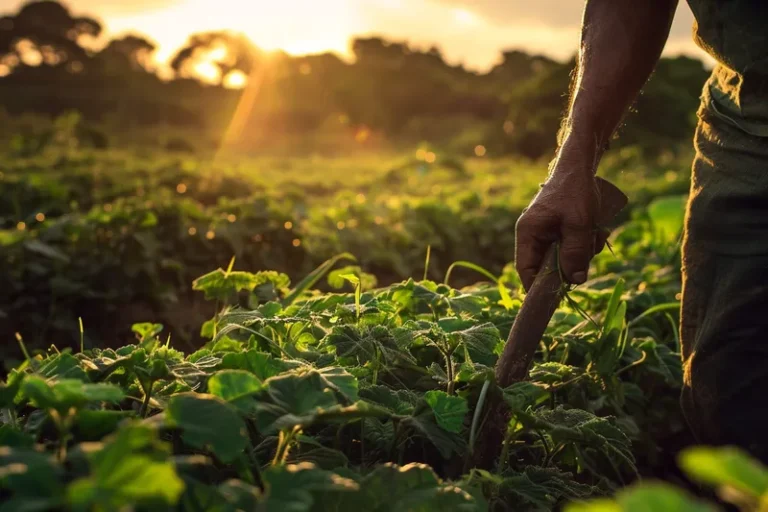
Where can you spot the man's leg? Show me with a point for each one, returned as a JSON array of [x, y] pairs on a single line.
[[724, 325]]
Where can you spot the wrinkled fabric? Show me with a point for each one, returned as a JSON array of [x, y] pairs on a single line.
[[735, 34], [724, 322]]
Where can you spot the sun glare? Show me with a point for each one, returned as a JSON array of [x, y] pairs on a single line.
[[207, 70], [293, 26], [465, 17], [235, 80]]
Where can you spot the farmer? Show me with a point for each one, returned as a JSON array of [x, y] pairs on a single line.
[[724, 317]]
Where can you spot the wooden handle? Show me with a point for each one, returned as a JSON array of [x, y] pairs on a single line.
[[543, 297]]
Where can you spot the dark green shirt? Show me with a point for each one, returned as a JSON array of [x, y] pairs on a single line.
[[735, 33]]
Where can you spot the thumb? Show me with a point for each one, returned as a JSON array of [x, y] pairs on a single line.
[[577, 247]]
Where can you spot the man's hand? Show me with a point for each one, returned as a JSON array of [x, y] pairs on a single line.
[[621, 41], [563, 211]]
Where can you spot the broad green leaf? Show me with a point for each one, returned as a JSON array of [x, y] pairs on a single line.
[[537, 488], [301, 397], [428, 295], [352, 278], [131, 438], [480, 340], [583, 428], [367, 343], [400, 401], [296, 487], [552, 373], [474, 372], [208, 422], [39, 392], [241, 495], [341, 381], [64, 394], [650, 497], [230, 385], [26, 472], [667, 215], [147, 331], [135, 479], [62, 366], [725, 467], [613, 318], [598, 505], [521, 395], [659, 498], [9, 390], [311, 450], [293, 399], [92, 425], [450, 411], [75, 392], [413, 487], [262, 365], [424, 423], [220, 284], [14, 438], [336, 279], [378, 434]]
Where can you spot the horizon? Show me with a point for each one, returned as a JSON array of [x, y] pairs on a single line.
[[471, 33]]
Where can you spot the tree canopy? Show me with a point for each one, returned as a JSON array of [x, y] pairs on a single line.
[[50, 62]]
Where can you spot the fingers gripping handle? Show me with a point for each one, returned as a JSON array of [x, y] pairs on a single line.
[[543, 298]]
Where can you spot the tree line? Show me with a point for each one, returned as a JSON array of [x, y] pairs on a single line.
[[390, 91]]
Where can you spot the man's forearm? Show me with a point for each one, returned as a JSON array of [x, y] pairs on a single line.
[[621, 43]]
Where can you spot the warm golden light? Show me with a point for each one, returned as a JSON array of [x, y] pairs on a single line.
[[235, 80], [465, 17], [466, 30]]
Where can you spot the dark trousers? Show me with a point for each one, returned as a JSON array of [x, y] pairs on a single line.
[[724, 323]]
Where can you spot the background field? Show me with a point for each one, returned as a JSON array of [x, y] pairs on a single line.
[[246, 280]]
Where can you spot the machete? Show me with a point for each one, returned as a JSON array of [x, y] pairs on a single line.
[[543, 297], [539, 304]]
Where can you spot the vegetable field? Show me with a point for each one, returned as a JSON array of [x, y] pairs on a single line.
[[344, 355]]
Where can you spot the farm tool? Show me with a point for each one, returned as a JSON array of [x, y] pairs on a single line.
[[539, 304]]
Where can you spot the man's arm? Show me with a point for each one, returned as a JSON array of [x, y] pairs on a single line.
[[621, 41]]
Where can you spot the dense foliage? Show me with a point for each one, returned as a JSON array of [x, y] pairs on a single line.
[[371, 399], [115, 238], [305, 400]]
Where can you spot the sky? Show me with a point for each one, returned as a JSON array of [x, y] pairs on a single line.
[[471, 32]]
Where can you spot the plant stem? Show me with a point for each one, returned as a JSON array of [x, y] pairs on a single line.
[[147, 396], [62, 427], [376, 366], [23, 348], [395, 438], [285, 439], [505, 450], [82, 334], [478, 413], [632, 364], [449, 371]]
